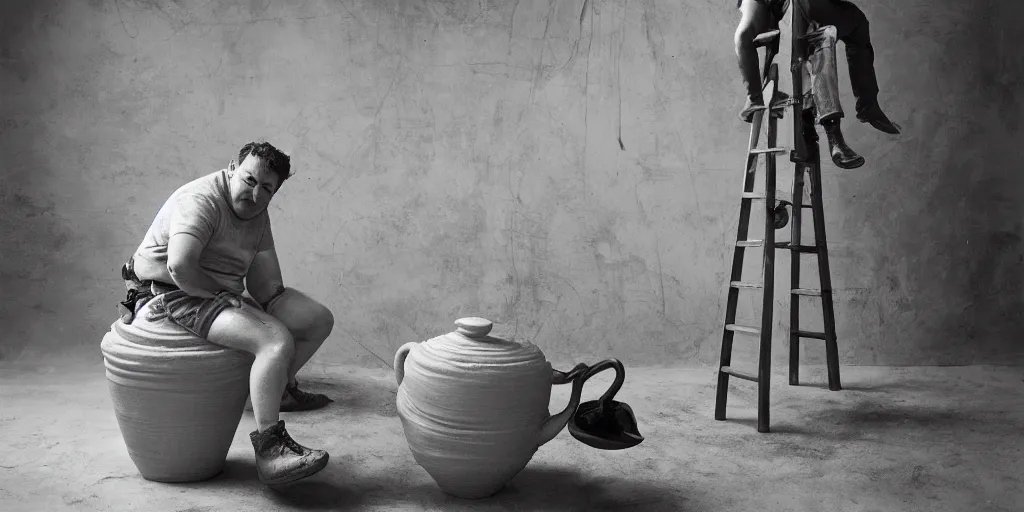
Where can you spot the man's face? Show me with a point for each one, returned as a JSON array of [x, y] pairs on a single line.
[[252, 185]]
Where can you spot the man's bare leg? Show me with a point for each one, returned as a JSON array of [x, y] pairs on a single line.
[[279, 458], [755, 18], [310, 323]]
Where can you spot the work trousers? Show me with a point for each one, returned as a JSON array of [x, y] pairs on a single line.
[[829, 21]]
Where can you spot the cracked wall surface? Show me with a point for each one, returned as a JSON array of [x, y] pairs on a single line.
[[569, 169]]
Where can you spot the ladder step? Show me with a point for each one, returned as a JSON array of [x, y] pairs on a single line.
[[781, 196], [766, 38], [797, 248], [728, 370], [810, 334], [779, 105], [810, 292], [746, 285], [760, 243], [753, 331], [762, 151]]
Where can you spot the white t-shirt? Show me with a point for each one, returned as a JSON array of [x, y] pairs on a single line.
[[202, 208]]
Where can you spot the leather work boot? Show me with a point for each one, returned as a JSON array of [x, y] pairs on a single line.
[[877, 119], [747, 114], [294, 399], [279, 459], [842, 155]]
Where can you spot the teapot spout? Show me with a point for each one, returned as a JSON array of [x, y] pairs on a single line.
[[554, 424]]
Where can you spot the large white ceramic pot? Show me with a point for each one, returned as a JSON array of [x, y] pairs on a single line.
[[178, 398], [475, 407]]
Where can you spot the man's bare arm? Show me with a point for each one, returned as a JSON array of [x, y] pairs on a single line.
[[183, 252], [264, 279]]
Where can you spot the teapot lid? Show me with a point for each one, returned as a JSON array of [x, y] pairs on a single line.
[[470, 342], [473, 326]]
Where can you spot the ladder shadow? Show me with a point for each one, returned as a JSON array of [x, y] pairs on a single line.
[[775, 427], [860, 388]]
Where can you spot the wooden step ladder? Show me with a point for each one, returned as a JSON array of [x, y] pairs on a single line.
[[807, 161]]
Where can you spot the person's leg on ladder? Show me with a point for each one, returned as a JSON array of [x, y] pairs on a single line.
[[854, 30], [279, 458], [821, 41], [755, 18]]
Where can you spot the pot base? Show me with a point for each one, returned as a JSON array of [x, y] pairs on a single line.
[[461, 482]]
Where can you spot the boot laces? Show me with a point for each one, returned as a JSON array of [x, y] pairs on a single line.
[[287, 440]]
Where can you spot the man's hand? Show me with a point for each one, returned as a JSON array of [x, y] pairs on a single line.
[[230, 298]]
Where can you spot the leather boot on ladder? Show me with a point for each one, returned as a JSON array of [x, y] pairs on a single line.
[[842, 155]]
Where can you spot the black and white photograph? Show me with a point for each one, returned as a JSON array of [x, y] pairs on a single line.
[[511, 255]]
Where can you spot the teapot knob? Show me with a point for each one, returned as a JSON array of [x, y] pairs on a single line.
[[473, 326]]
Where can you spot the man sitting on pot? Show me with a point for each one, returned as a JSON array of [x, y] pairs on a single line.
[[210, 242]]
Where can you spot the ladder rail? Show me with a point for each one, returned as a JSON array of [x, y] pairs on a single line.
[[768, 260], [794, 273], [824, 276], [736, 273], [798, 60], [768, 280], [805, 155]]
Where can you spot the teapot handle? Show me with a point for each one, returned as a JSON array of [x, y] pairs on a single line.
[[620, 377], [558, 377], [578, 376], [400, 356], [554, 424]]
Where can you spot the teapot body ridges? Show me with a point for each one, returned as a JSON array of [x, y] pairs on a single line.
[[472, 407], [477, 382]]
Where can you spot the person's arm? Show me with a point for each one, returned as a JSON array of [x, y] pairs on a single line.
[[191, 227], [183, 250], [264, 280]]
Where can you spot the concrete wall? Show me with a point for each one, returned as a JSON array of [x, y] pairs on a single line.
[[568, 168]]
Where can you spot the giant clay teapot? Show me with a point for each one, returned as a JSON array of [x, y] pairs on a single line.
[[475, 407]]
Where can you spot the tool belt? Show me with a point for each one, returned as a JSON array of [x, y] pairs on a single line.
[[139, 291]]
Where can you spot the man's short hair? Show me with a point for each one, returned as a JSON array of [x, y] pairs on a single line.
[[277, 161]]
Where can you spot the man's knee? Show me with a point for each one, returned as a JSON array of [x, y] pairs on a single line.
[[744, 37], [278, 341], [323, 322], [306, 317], [251, 330], [854, 27]]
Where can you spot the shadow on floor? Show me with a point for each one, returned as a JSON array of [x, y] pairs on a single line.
[[775, 427], [889, 387], [859, 419], [356, 396], [870, 417], [562, 490], [535, 488], [860, 388], [323, 491]]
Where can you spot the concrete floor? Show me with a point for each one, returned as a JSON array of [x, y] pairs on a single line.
[[896, 439]]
